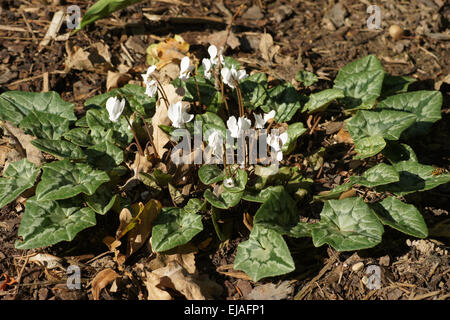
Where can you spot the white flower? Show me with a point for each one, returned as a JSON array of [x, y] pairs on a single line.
[[228, 182], [115, 108], [212, 50], [185, 68], [215, 141], [178, 115], [237, 127], [151, 85], [274, 141], [208, 68], [232, 76], [261, 119]]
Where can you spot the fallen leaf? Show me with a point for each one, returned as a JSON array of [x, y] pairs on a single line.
[[125, 218], [46, 260], [271, 291], [141, 231], [116, 80], [152, 282], [33, 154], [218, 39], [343, 136], [161, 260], [4, 150], [96, 58], [168, 51], [101, 280], [267, 48]]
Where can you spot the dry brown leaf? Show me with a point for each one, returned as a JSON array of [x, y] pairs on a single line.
[[343, 136], [4, 150], [116, 80], [271, 291], [154, 293], [140, 233], [46, 260], [172, 50], [33, 154], [267, 48], [125, 218], [96, 58], [101, 280], [187, 261], [218, 39]]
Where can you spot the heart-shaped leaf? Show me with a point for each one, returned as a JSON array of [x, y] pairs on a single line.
[[45, 125], [61, 149], [279, 213], [254, 90], [368, 128], [377, 176], [48, 222], [194, 205], [209, 95], [63, 179], [285, 100], [401, 216], [239, 181], [16, 105], [258, 195], [320, 100], [104, 155], [347, 224], [18, 177], [294, 131], [211, 121], [80, 136], [395, 84], [102, 200], [264, 254], [174, 227], [426, 105], [210, 174], [361, 81], [414, 177], [226, 199], [99, 123]]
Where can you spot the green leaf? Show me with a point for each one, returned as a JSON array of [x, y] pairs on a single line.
[[48, 222], [369, 129], [347, 224], [63, 179], [279, 213], [102, 200], [104, 156], [426, 105], [361, 82], [294, 131], [376, 176], [396, 152], [264, 254], [284, 100], [104, 8], [401, 216], [99, 123], [226, 199], [306, 77], [194, 205], [45, 125], [211, 121], [334, 193], [174, 227], [18, 177], [369, 146], [395, 84], [254, 90], [320, 100], [230, 62], [240, 181], [209, 95], [210, 174], [258, 195], [16, 105], [80, 136], [61, 149], [414, 177]]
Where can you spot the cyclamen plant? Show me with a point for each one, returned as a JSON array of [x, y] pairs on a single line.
[[89, 168]]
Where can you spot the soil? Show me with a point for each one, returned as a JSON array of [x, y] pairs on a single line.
[[319, 36]]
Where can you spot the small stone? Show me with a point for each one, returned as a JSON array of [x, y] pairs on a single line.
[[357, 266], [337, 15], [408, 242], [384, 261]]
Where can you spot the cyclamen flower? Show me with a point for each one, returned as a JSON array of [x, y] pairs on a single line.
[[232, 76], [261, 119], [178, 115], [215, 141], [185, 68], [115, 108], [274, 142], [151, 85], [208, 68], [213, 57], [238, 127], [228, 182]]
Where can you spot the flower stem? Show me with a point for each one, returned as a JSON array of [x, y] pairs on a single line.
[[141, 151], [147, 129], [198, 91], [241, 105]]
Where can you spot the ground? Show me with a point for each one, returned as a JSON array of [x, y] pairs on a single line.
[[318, 36]]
